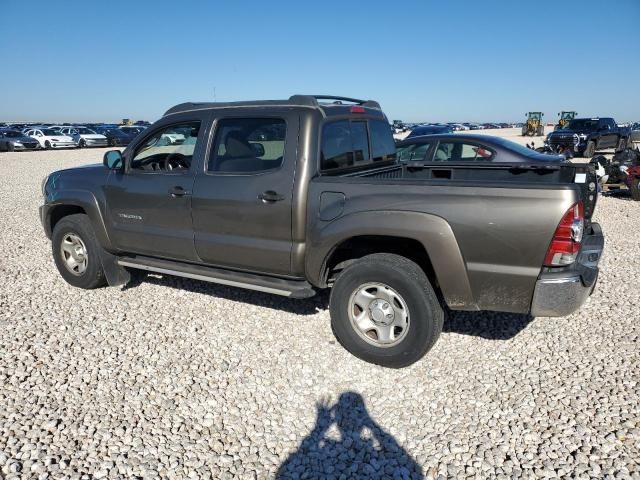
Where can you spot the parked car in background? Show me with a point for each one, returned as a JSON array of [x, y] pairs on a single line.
[[467, 148], [85, 137], [117, 137], [585, 136], [48, 138], [12, 140], [429, 130]]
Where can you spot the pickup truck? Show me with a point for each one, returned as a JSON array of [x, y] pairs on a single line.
[[293, 196], [585, 136]]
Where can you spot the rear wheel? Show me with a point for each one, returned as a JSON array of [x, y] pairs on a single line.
[[384, 310], [590, 149], [76, 252], [622, 145], [82, 143]]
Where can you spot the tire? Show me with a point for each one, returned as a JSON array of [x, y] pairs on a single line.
[[635, 189], [82, 143], [524, 131], [622, 145], [383, 276], [112, 142], [47, 145], [590, 150], [10, 147], [68, 230]]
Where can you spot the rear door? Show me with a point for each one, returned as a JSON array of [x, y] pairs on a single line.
[[242, 197]]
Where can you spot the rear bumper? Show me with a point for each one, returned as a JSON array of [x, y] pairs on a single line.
[[558, 294]]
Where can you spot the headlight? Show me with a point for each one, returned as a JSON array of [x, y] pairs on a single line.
[[43, 186], [17, 143], [582, 136]]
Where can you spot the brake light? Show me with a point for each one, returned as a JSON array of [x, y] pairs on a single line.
[[357, 109], [567, 239]]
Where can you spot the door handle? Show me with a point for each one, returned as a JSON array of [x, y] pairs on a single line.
[[270, 197], [178, 191]]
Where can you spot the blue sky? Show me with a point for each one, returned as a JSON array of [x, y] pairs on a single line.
[[463, 60]]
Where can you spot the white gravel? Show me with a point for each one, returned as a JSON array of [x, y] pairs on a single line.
[[176, 378]]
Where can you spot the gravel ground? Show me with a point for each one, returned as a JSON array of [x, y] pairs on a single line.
[[176, 378]]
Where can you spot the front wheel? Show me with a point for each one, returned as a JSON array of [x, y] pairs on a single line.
[[622, 145], [82, 143], [76, 252], [384, 310], [47, 145]]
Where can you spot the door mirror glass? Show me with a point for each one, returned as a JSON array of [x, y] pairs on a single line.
[[113, 160]]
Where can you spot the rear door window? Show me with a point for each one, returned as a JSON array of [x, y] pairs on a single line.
[[248, 145], [414, 152]]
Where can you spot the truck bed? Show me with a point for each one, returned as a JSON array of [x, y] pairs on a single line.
[[502, 216]]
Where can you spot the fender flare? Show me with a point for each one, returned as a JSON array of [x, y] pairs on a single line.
[[85, 200], [432, 231]]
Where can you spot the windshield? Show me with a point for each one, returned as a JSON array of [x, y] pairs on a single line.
[[85, 131], [583, 124], [49, 132]]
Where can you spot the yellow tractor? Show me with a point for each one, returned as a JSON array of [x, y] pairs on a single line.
[[534, 125], [565, 118]]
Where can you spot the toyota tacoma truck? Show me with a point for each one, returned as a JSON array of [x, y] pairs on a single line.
[[585, 136], [293, 196]]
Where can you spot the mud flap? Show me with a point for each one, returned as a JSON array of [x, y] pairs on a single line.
[[116, 275]]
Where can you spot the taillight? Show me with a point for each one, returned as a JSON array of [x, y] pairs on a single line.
[[357, 109], [566, 241]]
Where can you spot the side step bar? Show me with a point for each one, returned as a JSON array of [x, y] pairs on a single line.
[[260, 283]]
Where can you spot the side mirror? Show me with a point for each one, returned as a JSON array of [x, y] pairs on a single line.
[[258, 149], [113, 160]]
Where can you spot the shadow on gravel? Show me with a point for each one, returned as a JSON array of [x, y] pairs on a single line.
[[309, 306], [363, 449], [489, 325]]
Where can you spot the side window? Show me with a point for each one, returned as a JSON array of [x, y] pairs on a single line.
[[383, 148], [169, 149], [414, 152], [247, 145], [461, 152]]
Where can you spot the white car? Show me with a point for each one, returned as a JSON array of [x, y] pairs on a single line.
[[85, 137], [48, 138]]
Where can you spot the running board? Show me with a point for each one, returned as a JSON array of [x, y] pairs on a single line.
[[260, 283]]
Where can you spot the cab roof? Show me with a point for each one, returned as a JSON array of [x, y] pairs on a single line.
[[329, 104]]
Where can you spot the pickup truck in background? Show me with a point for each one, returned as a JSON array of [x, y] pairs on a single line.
[[585, 136], [292, 196]]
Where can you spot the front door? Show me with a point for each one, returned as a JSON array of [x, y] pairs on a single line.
[[149, 203], [242, 198]]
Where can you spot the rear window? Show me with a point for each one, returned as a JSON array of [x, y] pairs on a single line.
[[350, 144]]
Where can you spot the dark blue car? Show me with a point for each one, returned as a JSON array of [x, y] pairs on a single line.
[[429, 130]]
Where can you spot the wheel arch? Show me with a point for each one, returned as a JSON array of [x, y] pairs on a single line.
[[74, 202], [426, 239]]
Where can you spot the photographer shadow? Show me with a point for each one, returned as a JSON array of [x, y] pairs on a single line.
[[364, 450]]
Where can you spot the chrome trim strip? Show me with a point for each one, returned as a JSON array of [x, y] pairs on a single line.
[[232, 283]]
